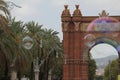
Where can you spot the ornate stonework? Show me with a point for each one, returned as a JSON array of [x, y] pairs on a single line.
[[77, 14], [77, 24], [65, 26], [66, 14], [103, 14]]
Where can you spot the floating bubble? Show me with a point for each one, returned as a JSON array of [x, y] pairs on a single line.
[[89, 37], [27, 42], [90, 44], [89, 40], [104, 24]]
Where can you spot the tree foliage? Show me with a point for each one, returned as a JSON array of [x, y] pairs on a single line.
[[111, 70], [14, 56], [4, 8], [92, 68], [51, 50], [13, 53]]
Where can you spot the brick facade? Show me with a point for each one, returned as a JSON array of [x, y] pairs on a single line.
[[75, 52]]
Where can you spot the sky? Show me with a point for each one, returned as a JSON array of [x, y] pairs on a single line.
[[103, 50], [48, 12]]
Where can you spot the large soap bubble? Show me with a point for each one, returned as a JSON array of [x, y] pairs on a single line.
[[104, 24]]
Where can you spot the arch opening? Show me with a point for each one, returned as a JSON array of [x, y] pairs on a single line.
[[103, 50], [104, 54]]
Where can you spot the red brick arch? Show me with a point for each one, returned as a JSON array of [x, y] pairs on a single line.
[[74, 29]]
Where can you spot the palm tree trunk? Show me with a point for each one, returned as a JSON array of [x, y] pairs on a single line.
[[13, 75], [46, 70], [31, 73], [6, 65], [6, 70], [13, 72], [49, 75], [37, 74], [36, 69]]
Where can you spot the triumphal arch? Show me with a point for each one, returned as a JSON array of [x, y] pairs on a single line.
[[80, 34]]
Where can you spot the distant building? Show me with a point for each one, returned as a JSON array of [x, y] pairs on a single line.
[[100, 72]]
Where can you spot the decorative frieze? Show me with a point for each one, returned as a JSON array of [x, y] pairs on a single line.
[[103, 14], [75, 61], [77, 26]]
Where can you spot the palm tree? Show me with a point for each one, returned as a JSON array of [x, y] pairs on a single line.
[[4, 8], [20, 58], [34, 31], [50, 47], [4, 15], [13, 54], [11, 48]]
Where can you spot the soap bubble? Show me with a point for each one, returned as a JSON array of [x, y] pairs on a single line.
[[89, 40]]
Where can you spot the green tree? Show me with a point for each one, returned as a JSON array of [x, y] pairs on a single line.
[[5, 13], [3, 28], [111, 70], [4, 8], [92, 68], [4, 16], [51, 50], [14, 56]]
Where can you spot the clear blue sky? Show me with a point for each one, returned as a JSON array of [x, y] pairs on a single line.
[[48, 12]]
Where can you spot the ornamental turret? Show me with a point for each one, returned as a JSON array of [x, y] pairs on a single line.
[[66, 14], [77, 14]]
